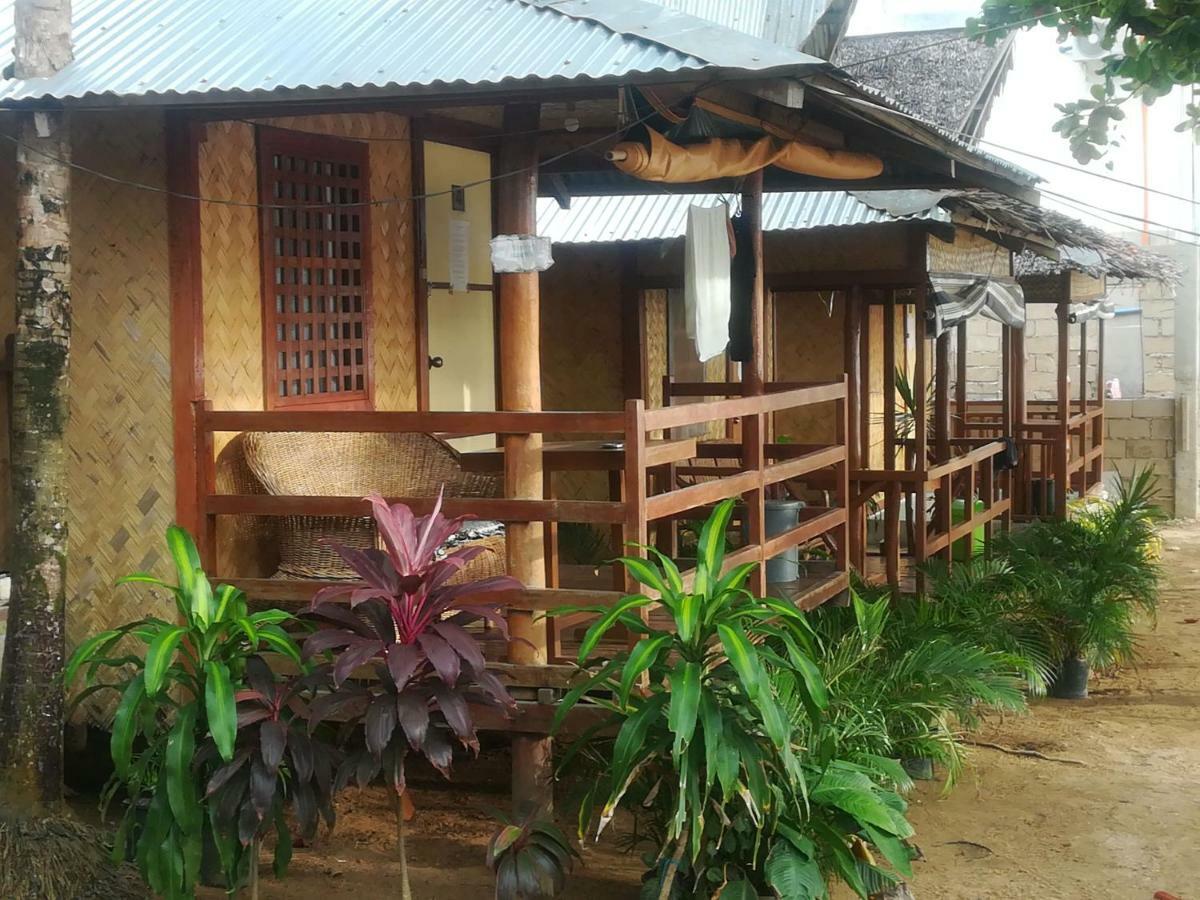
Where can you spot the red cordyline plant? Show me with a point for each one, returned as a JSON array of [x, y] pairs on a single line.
[[405, 620]]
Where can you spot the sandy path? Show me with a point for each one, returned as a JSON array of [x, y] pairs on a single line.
[[1125, 825]]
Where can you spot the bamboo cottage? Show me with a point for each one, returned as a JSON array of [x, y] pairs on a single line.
[[278, 222]]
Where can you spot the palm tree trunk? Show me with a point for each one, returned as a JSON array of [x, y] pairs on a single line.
[[31, 691]]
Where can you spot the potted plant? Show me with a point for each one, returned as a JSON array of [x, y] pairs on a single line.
[[177, 682], [404, 621], [1091, 576]]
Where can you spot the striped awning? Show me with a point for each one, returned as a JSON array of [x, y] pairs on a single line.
[[957, 297]]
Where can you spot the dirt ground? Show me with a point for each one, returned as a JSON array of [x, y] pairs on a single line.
[[1122, 825]]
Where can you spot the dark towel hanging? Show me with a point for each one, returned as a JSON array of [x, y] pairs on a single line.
[[1008, 458], [741, 286]]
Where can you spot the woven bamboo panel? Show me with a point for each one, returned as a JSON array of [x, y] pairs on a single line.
[[229, 246], [971, 253], [122, 478], [809, 347], [230, 240], [656, 346]]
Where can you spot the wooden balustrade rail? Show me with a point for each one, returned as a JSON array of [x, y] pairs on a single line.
[[757, 468]]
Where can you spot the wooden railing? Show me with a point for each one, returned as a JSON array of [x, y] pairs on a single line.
[[969, 477], [647, 497], [1054, 455]]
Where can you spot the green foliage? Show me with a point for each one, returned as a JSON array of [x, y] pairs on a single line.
[[1149, 49], [905, 682], [1091, 576], [530, 857], [177, 682], [709, 744]]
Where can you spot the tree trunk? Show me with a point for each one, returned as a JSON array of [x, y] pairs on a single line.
[[31, 690]]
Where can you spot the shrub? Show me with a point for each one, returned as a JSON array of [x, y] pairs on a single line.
[[405, 620], [178, 685], [1091, 576], [708, 752], [530, 857]]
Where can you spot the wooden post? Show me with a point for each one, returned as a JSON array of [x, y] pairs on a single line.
[[1006, 419], [521, 390], [31, 689], [891, 498], [1063, 444], [854, 459], [920, 428], [941, 429], [1098, 422], [753, 379], [1085, 426], [960, 380], [864, 405], [187, 310], [1020, 411]]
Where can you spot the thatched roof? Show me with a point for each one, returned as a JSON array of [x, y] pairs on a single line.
[[951, 83], [1081, 248]]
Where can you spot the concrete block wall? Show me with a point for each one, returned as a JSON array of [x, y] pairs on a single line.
[[1141, 433]]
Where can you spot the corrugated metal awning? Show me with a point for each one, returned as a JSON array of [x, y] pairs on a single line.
[[664, 216]]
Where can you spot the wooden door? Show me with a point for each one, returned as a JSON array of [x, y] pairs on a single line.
[[459, 318]]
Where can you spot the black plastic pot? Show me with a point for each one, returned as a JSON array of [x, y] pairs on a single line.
[[919, 768], [1070, 680]]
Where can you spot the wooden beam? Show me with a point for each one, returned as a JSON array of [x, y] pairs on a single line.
[[183, 137], [960, 380]]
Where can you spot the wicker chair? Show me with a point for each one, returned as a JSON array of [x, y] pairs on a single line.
[[353, 465]]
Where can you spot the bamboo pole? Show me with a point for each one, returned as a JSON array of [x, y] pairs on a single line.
[[520, 383], [891, 500]]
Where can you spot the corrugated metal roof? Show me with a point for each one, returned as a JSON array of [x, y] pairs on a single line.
[[664, 216], [164, 48], [785, 22]]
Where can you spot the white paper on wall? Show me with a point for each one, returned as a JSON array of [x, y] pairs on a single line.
[[521, 253], [460, 254]]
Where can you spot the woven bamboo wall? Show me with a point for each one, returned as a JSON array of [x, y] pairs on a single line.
[[230, 246], [8, 318], [122, 476], [582, 344]]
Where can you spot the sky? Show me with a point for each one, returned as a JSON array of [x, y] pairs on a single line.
[[878, 16]]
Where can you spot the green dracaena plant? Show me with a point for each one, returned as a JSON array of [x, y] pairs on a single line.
[[177, 682], [698, 724]]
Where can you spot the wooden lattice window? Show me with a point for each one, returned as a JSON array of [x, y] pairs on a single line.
[[315, 271]]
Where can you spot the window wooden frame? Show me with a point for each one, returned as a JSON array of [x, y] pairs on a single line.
[[310, 298]]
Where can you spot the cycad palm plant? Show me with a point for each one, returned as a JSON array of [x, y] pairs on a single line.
[[1091, 576], [903, 685]]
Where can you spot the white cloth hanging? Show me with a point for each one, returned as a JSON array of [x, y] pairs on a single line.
[[706, 279]]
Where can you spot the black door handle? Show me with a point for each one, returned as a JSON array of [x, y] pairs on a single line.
[[436, 362]]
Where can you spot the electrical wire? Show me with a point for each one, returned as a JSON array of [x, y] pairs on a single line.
[[223, 201], [382, 201], [1104, 213]]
